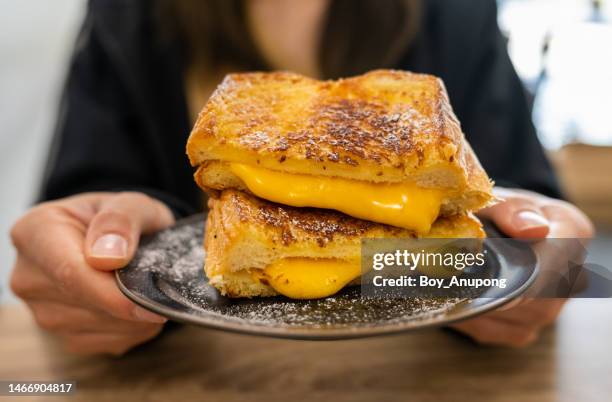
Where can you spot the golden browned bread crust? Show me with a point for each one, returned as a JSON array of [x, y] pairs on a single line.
[[245, 233], [383, 126]]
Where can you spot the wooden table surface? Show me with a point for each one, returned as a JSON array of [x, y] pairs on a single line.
[[571, 362]]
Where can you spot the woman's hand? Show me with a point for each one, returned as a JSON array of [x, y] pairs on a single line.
[[66, 252], [525, 215]]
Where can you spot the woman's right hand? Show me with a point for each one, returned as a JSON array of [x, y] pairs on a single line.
[[66, 252]]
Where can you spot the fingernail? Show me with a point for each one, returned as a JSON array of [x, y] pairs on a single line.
[[528, 220], [146, 315], [110, 246]]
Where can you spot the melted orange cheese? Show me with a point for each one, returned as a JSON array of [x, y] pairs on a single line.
[[403, 205], [307, 278]]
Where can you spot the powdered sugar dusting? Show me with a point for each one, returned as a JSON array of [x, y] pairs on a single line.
[[176, 254], [344, 310]]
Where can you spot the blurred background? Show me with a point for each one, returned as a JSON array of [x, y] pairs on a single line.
[[561, 50]]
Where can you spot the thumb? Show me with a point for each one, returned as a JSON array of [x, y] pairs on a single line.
[[518, 218], [113, 233]]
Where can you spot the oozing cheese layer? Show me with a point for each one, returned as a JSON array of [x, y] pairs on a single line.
[[306, 278], [403, 205]]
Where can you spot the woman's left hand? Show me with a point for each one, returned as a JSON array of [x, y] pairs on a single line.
[[524, 215]]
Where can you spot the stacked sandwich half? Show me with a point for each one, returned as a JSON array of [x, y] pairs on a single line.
[[298, 171]]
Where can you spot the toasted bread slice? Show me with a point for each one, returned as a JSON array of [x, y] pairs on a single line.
[[245, 234], [384, 127]]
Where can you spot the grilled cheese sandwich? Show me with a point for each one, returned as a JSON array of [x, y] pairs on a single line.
[[258, 248], [389, 138], [300, 170]]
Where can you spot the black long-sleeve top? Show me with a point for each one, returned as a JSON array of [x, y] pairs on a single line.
[[124, 120]]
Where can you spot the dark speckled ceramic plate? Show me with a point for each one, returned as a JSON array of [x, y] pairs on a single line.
[[166, 276]]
